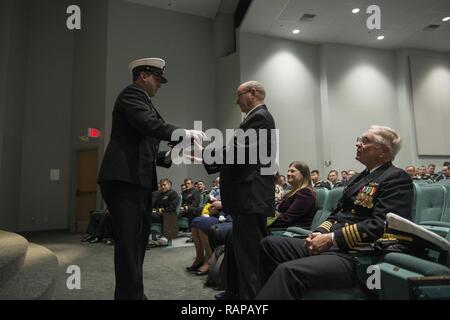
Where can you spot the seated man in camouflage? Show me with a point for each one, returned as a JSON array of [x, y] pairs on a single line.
[[288, 267]]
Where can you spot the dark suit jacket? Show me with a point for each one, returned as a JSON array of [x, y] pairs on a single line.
[[137, 129], [242, 187], [354, 222]]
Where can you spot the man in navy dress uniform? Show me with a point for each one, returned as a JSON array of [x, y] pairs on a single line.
[[289, 267], [128, 172]]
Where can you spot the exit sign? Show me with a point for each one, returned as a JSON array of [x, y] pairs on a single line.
[[93, 133]]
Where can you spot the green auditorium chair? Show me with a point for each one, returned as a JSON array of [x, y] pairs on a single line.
[[423, 181], [406, 277], [402, 276], [430, 207], [330, 201]]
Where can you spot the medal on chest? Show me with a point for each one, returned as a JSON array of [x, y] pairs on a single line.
[[365, 195]]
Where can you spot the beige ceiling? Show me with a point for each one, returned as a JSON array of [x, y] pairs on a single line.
[[402, 22], [203, 8]]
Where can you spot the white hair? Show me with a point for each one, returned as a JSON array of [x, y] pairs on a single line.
[[387, 137]]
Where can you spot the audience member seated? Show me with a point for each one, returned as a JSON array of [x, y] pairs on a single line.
[[191, 201], [201, 188], [299, 205], [351, 174], [422, 174], [445, 173], [200, 230], [316, 183], [411, 171], [166, 203], [288, 267], [214, 194], [344, 175], [333, 179], [285, 185], [279, 191], [431, 171], [99, 228]]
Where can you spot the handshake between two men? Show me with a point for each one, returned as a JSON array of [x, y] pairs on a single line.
[[189, 149]]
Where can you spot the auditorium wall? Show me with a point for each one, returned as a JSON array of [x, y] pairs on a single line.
[[13, 50], [186, 43], [290, 72], [48, 81], [54, 83], [324, 96]]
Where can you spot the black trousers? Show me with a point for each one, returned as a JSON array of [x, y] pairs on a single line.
[[241, 254], [286, 270], [130, 208]]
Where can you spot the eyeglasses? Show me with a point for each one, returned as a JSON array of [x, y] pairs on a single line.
[[363, 140], [240, 94]]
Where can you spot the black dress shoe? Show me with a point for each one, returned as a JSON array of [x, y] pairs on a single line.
[[87, 238], [226, 295], [94, 240], [201, 273], [194, 267]]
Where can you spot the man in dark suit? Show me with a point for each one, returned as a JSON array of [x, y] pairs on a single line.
[[128, 171], [289, 266], [247, 191]]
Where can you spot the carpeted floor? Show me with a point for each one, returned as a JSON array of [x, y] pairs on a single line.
[[164, 269]]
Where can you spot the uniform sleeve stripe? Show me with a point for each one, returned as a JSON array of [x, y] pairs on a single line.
[[351, 236], [344, 232], [355, 229], [326, 225]]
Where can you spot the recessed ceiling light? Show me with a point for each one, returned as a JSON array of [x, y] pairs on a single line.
[[380, 37], [356, 10], [296, 31], [446, 19]]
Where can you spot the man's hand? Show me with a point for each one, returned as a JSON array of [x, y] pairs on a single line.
[[217, 205], [317, 243], [197, 135]]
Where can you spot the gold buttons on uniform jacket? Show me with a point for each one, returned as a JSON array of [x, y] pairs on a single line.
[[353, 211]]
